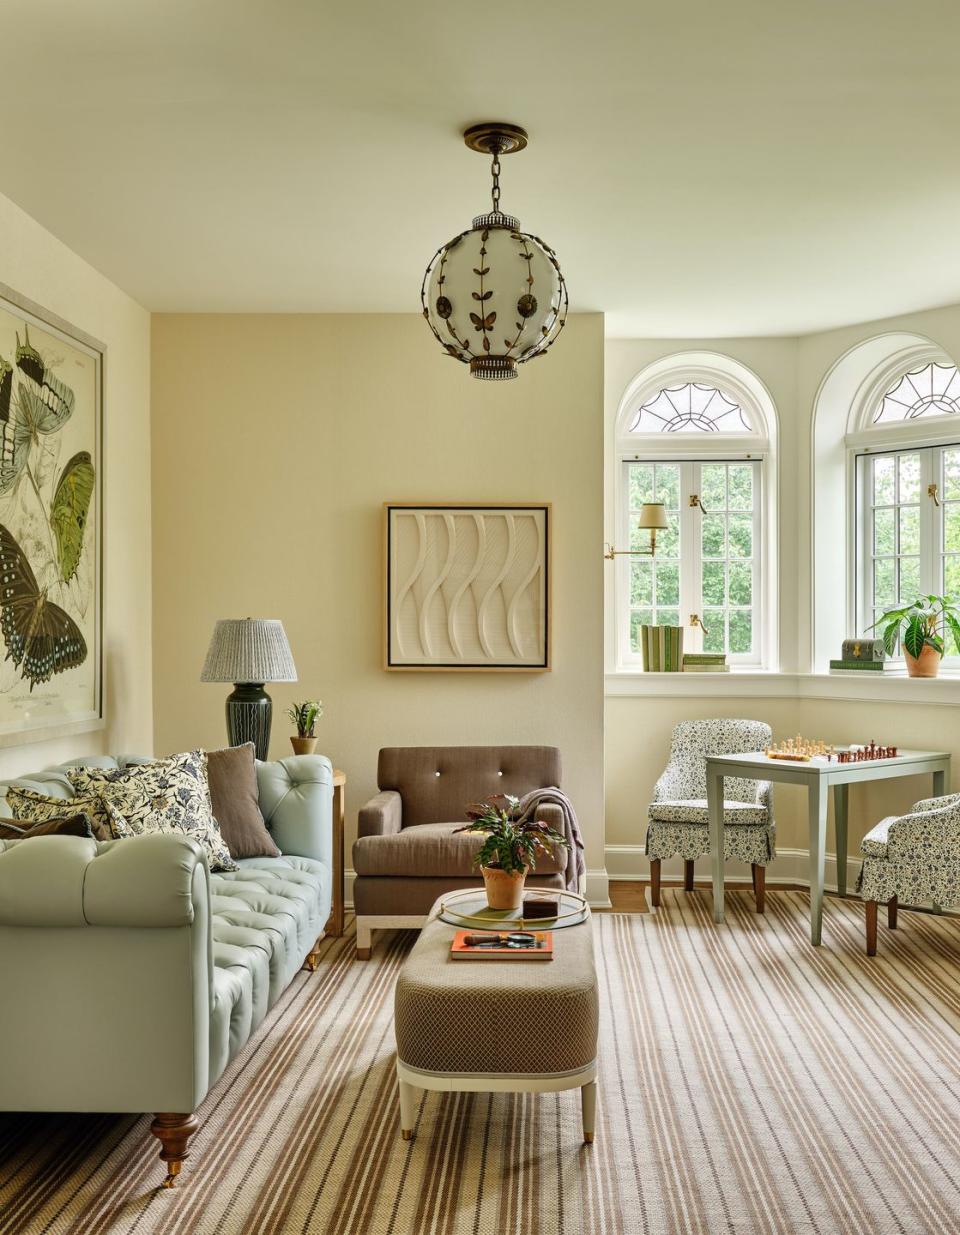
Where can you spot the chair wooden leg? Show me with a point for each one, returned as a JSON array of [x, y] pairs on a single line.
[[759, 885], [892, 913], [871, 908], [688, 874], [655, 882], [173, 1132]]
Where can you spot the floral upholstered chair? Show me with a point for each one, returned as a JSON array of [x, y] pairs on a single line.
[[913, 857], [678, 823]]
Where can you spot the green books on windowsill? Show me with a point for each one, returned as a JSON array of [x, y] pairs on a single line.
[[865, 666], [705, 662]]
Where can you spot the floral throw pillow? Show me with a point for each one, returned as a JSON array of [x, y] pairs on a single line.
[[170, 795], [28, 804]]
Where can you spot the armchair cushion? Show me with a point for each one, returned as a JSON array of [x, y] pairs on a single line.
[[431, 850], [679, 810], [437, 783]]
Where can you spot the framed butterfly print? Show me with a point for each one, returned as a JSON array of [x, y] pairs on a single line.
[[51, 485]]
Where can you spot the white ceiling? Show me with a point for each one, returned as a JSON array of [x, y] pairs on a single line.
[[701, 168]]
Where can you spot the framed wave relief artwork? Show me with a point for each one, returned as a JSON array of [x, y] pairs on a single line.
[[51, 377], [467, 587]]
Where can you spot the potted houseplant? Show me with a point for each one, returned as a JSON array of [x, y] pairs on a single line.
[[920, 627], [305, 716], [510, 849]]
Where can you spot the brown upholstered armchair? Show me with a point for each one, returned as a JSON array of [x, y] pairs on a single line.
[[407, 853]]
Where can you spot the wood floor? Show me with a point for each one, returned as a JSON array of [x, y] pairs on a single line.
[[632, 896]]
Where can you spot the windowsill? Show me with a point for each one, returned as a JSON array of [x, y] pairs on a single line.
[[769, 684]]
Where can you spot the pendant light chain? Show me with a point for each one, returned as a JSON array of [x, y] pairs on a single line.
[[495, 173]]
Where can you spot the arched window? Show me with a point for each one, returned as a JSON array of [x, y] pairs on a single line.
[[696, 433], [904, 448]]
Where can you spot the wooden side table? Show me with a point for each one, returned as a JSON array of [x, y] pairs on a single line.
[[335, 922]]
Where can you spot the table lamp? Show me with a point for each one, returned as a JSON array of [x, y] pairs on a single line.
[[249, 652]]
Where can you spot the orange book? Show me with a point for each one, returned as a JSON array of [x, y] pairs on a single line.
[[502, 946]]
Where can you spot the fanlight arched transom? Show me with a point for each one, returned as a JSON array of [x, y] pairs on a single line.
[[693, 407], [932, 390]]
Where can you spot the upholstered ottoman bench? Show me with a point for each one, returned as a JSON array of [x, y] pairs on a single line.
[[485, 1025]]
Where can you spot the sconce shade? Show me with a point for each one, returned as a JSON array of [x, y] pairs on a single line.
[[249, 650], [652, 515]]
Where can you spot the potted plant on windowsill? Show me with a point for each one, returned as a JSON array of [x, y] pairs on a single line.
[[305, 716], [920, 627], [510, 849]]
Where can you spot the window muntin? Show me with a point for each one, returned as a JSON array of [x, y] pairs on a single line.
[[708, 562], [931, 390], [693, 407]]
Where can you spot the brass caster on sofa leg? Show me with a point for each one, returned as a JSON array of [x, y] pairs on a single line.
[[173, 1132], [407, 1134], [312, 959]]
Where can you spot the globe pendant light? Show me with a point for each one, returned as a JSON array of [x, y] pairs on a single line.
[[494, 296]]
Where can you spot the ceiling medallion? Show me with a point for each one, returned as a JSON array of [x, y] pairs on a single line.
[[494, 296]]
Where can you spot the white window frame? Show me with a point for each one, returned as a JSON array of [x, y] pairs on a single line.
[[759, 446], [691, 596], [929, 435]]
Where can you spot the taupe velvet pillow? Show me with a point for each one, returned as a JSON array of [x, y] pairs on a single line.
[[68, 825], [232, 776]]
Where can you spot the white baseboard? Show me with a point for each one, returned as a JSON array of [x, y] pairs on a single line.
[[789, 866], [597, 887]]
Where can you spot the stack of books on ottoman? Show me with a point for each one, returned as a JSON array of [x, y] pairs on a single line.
[[705, 662]]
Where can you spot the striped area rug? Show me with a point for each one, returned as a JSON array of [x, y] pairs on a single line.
[[749, 1083]]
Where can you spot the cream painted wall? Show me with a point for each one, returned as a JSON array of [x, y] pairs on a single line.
[[637, 730], [40, 267], [275, 441]]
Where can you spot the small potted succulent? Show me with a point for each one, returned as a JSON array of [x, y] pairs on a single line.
[[920, 627], [305, 716], [510, 849]]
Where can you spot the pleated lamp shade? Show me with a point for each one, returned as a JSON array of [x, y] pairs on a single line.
[[249, 650]]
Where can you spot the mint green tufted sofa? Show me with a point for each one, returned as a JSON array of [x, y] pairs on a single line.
[[130, 976]]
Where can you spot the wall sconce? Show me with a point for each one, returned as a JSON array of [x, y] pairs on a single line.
[[652, 517]]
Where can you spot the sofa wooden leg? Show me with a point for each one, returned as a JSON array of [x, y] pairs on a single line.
[[688, 874], [173, 1132], [871, 908], [760, 885], [312, 959], [655, 882], [364, 941], [892, 913]]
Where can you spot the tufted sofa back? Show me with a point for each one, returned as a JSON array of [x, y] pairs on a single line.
[[437, 783], [295, 794]]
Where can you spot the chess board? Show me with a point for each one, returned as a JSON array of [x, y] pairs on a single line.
[[802, 750]]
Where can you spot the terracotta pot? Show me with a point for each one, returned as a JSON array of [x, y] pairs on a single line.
[[504, 888], [304, 746], [926, 665]]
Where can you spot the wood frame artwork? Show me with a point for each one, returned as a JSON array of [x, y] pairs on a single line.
[[51, 506], [467, 586]]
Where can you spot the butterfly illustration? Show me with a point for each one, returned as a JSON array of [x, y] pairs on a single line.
[[42, 404], [41, 638], [69, 510]]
